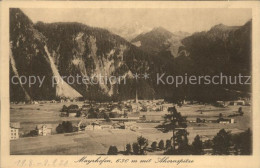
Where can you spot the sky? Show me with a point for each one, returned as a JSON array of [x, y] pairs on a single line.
[[187, 20]]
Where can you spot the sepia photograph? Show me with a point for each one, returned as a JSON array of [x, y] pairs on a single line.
[[129, 84], [130, 81]]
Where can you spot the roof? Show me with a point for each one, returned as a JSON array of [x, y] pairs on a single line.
[[73, 111], [15, 125], [118, 125], [41, 125], [222, 119]]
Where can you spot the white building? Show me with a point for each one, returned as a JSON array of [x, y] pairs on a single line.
[[118, 111], [93, 127], [14, 130], [227, 121], [44, 129], [237, 103]]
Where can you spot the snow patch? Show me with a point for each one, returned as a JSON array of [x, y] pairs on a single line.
[[137, 44], [62, 88]]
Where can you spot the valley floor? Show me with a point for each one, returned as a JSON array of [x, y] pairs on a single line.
[[98, 141]]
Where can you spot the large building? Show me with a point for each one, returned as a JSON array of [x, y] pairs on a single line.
[[14, 130], [44, 129]]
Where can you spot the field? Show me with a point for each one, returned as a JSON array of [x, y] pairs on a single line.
[[98, 141]]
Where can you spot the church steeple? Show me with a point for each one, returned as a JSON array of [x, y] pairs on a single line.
[[136, 101], [136, 96]]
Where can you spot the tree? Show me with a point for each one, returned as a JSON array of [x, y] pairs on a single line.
[[161, 144], [32, 133], [240, 111], [168, 144], [182, 142], [243, 143], [179, 103], [64, 127], [208, 144], [197, 146], [59, 129], [64, 108], [220, 116], [182, 146], [135, 148], [106, 117], [198, 120], [112, 150], [73, 106], [172, 121], [78, 113], [113, 115], [125, 114], [154, 145], [67, 125], [92, 113], [246, 143], [143, 143], [101, 114], [222, 143], [128, 149]]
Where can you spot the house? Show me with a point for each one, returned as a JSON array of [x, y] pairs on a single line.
[[130, 125], [73, 111], [63, 114], [68, 100], [226, 121], [85, 107], [134, 128], [34, 102], [81, 125], [53, 101], [135, 107], [107, 127], [117, 110], [93, 127], [102, 108], [220, 104], [119, 126], [44, 129], [237, 103], [72, 114], [14, 130], [241, 102], [61, 101], [247, 103]]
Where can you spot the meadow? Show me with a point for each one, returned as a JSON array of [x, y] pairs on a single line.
[[98, 141]]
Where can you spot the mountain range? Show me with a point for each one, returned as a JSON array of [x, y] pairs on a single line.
[[70, 49], [129, 31], [160, 41]]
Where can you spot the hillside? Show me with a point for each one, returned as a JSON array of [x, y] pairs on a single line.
[[69, 49]]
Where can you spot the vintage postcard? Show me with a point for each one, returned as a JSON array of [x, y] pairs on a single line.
[[130, 84]]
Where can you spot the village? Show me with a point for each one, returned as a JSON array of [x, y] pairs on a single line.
[[136, 116]]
